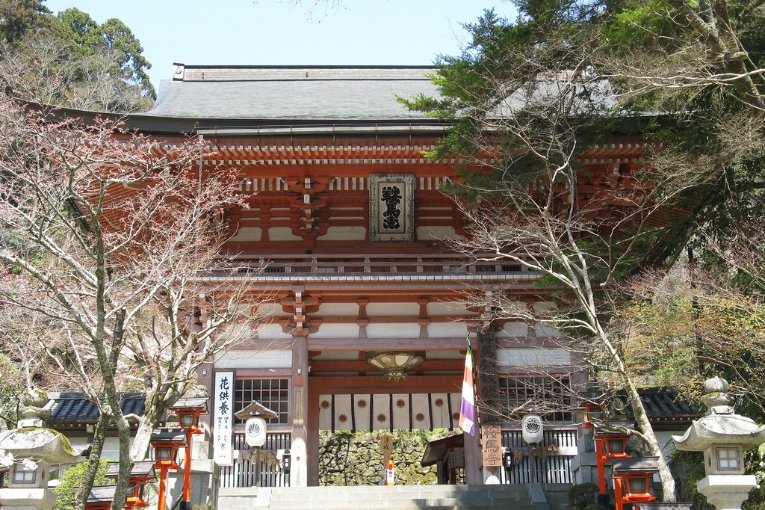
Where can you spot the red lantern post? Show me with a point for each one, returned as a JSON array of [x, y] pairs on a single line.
[[189, 410], [633, 481], [608, 445], [100, 498], [166, 443], [140, 475]]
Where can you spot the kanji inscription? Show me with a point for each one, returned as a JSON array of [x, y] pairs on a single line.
[[491, 441]]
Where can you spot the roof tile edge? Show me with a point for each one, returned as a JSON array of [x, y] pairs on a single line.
[[213, 73]]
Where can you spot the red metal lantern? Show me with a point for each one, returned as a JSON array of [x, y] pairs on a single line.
[[166, 443], [189, 410], [589, 408], [633, 481], [142, 473], [100, 497], [608, 445]]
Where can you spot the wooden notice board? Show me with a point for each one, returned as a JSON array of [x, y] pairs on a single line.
[[491, 445]]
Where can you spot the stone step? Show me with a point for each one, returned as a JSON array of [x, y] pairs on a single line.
[[399, 497]]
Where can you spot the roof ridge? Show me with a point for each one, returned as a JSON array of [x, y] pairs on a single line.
[[306, 66]]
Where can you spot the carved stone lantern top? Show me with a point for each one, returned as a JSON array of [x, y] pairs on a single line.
[[40, 444], [721, 425]]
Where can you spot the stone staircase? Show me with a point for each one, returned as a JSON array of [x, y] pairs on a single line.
[[399, 497]]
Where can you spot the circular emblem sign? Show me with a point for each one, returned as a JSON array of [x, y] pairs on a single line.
[[532, 429]]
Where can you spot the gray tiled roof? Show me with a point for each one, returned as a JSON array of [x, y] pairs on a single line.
[[72, 407], [664, 403], [141, 468], [101, 493], [293, 93]]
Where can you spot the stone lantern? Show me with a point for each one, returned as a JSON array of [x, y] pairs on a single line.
[[723, 436], [33, 449]]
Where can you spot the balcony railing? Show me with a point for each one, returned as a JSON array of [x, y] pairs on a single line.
[[257, 467], [362, 267]]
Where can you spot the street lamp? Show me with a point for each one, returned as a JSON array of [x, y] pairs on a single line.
[[632, 481], [166, 443], [608, 445], [188, 411], [140, 475], [100, 497]]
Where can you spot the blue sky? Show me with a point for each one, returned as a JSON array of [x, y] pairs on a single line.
[[274, 32]]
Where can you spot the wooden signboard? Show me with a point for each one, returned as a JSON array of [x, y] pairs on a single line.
[[491, 441]]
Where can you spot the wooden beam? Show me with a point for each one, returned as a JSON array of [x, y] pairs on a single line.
[[385, 344], [380, 384], [431, 365]]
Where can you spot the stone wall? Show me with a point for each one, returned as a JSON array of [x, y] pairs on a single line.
[[348, 458]]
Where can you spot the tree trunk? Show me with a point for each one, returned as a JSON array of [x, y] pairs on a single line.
[[81, 496], [126, 464], [142, 438], [641, 417], [644, 426]]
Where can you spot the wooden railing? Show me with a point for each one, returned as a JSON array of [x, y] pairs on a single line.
[[360, 265], [257, 467], [546, 463]]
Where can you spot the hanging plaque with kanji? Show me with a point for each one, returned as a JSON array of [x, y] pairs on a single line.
[[391, 206], [491, 445]]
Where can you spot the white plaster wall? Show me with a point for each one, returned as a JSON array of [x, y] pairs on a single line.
[[271, 310], [255, 359], [282, 234], [547, 330], [533, 357], [336, 355], [344, 234], [543, 306], [272, 332], [111, 448], [436, 233], [446, 308], [447, 329], [337, 309], [516, 329], [665, 440], [336, 331], [248, 234], [383, 309], [393, 330]]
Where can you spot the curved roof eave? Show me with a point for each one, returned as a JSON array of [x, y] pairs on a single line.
[[186, 126]]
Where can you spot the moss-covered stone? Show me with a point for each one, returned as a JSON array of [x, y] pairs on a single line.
[[347, 458]]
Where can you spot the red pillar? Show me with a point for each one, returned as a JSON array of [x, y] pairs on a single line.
[[162, 488], [186, 501]]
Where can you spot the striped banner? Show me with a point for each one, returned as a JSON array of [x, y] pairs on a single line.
[[467, 405]]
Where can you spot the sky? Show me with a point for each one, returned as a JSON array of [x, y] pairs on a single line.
[[291, 32]]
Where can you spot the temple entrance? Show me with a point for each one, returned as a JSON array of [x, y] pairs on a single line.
[[352, 413], [359, 458], [356, 429]]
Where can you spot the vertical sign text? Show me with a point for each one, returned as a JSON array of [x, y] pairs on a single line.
[[223, 416]]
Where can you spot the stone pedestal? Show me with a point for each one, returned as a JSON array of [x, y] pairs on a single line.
[[726, 492], [27, 499]]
